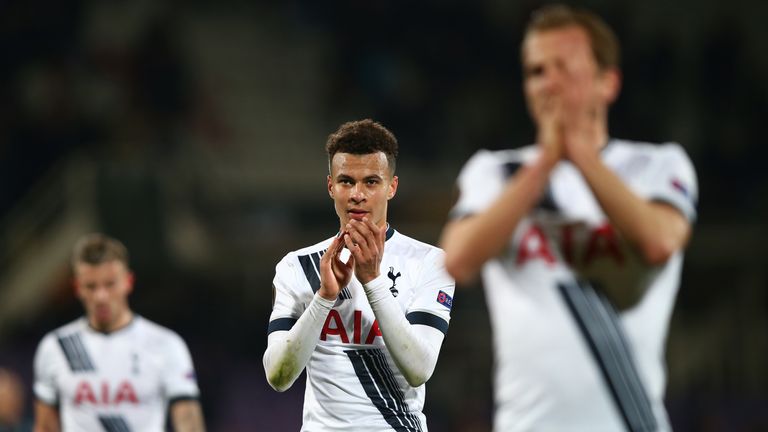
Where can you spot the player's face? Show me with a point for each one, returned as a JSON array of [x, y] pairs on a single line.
[[103, 289], [361, 186], [560, 67]]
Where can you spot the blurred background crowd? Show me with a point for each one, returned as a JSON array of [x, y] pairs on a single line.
[[194, 132]]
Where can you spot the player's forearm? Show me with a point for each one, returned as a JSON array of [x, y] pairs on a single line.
[[655, 230], [468, 243], [415, 352], [187, 416], [288, 352], [46, 418]]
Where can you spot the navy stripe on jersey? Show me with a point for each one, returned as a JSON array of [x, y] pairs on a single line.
[[547, 201], [428, 319], [311, 266], [75, 352], [177, 399], [281, 324], [390, 233], [381, 387], [602, 329], [510, 168], [114, 424], [313, 277]]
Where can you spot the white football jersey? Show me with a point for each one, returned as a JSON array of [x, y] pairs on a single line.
[[352, 381], [117, 382], [565, 359]]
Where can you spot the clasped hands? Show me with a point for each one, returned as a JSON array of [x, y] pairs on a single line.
[[570, 128], [365, 242]]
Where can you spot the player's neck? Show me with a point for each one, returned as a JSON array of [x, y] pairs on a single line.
[[122, 320], [601, 136]]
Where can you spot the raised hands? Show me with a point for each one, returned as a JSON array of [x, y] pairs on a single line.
[[570, 126], [365, 241], [334, 273]]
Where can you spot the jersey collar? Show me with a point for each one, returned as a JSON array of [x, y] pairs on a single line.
[[390, 232], [127, 326]]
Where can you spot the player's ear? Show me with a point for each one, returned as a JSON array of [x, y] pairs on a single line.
[[330, 186], [75, 287], [611, 84], [131, 280], [392, 188]]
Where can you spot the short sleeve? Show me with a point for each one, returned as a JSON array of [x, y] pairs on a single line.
[[479, 183], [179, 378], [286, 307], [433, 299], [673, 181], [44, 386]]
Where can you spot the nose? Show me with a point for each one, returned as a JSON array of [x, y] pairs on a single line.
[[550, 80], [100, 294], [358, 194]]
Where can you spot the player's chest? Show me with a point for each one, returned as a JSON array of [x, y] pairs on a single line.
[[352, 320], [106, 374]]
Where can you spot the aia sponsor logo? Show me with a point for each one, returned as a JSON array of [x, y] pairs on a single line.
[[600, 242], [104, 394], [334, 326]]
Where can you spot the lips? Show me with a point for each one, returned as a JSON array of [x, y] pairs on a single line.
[[357, 214]]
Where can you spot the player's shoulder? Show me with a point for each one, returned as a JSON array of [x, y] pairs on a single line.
[[496, 164], [485, 157], [153, 332], [68, 330], [664, 150], [308, 250], [409, 246], [73, 327]]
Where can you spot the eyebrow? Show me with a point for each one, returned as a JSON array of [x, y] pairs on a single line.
[[348, 177]]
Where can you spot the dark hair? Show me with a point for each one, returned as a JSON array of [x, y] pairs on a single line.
[[97, 249], [363, 137], [605, 45]]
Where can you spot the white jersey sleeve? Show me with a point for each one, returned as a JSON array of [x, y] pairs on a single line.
[[673, 180], [178, 377], [414, 340], [434, 298], [287, 304], [476, 189], [45, 386]]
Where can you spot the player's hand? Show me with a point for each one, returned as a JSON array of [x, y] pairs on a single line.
[[366, 242], [551, 130], [580, 122], [334, 273]]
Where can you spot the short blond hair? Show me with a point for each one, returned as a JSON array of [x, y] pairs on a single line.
[[97, 248]]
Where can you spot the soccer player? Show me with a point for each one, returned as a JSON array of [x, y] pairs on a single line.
[[579, 239], [365, 311], [112, 370]]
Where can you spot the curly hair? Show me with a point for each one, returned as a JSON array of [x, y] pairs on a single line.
[[363, 137], [98, 248]]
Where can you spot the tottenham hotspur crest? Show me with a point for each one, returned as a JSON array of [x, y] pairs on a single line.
[[394, 277]]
